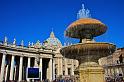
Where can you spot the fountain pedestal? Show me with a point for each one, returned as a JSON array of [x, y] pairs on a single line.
[[91, 72]]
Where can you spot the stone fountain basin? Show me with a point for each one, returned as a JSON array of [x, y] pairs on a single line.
[[88, 51], [84, 26]]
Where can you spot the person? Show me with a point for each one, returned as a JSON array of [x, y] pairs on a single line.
[[108, 79], [61, 80]]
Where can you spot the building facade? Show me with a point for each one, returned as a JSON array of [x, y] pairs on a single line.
[[15, 59], [114, 64]]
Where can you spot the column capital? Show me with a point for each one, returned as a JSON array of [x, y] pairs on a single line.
[[41, 57], [4, 53]]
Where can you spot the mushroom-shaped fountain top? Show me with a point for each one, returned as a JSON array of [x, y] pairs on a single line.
[[85, 28]]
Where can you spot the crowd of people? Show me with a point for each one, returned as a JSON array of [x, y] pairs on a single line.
[[65, 80], [47, 80], [108, 78], [117, 78], [56, 80]]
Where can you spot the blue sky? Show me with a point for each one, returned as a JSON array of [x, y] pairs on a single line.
[[32, 20]]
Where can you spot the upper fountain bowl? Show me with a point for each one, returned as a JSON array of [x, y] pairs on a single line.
[[85, 28]]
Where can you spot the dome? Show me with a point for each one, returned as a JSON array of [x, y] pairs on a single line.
[[84, 27], [52, 42]]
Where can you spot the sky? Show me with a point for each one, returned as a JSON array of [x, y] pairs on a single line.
[[32, 20]]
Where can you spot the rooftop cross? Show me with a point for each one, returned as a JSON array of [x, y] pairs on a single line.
[[83, 13]]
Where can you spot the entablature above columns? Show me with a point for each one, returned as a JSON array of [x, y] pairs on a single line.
[[46, 55], [26, 54]]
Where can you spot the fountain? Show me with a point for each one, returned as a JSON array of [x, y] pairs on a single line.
[[87, 51]]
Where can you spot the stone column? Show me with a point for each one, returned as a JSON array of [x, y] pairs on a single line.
[[53, 69], [106, 71], [2, 67], [35, 62], [29, 61], [6, 72], [15, 72], [120, 70], [109, 71], [117, 69], [50, 69], [60, 66], [20, 68], [123, 70], [72, 67], [29, 64], [77, 63], [40, 69], [47, 73], [12, 67], [66, 70], [112, 71]]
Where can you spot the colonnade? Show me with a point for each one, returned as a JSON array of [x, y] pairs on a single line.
[[5, 74], [113, 71], [60, 67]]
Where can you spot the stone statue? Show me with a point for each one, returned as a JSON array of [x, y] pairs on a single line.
[[22, 43], [83, 13], [5, 40], [32, 44], [14, 42], [29, 44]]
